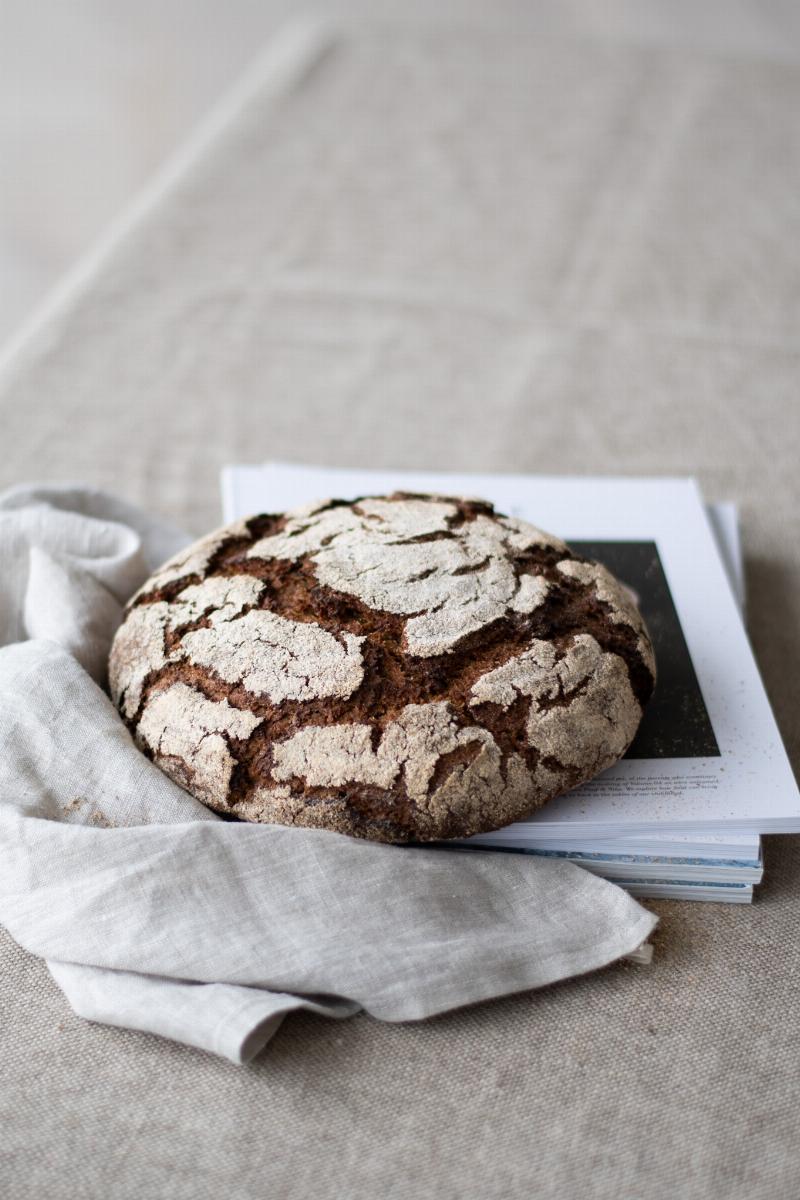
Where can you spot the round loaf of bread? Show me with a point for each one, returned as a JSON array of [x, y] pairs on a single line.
[[401, 668]]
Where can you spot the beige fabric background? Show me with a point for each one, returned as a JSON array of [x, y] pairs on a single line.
[[474, 249]]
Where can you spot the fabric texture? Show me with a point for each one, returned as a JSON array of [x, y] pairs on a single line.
[[157, 914], [468, 249]]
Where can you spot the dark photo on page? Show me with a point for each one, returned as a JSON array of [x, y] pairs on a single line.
[[676, 723]]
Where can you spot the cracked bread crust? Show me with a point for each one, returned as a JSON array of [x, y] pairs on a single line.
[[400, 668]]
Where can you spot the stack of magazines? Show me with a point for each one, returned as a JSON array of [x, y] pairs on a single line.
[[682, 814]]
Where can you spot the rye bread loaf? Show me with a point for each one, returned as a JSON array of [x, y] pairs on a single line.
[[399, 668]]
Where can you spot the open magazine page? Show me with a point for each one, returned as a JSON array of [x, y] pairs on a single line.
[[708, 753]]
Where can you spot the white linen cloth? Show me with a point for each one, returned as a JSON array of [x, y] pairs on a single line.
[[155, 914]]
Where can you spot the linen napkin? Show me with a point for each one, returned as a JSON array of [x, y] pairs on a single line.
[[155, 914]]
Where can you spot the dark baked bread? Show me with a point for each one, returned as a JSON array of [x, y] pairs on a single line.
[[399, 668]]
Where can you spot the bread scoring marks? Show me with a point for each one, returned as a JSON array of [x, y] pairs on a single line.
[[277, 805], [188, 738], [221, 596], [275, 657], [486, 791], [414, 557], [621, 606], [532, 592], [521, 535], [194, 560], [583, 712], [139, 649], [478, 787], [335, 755]]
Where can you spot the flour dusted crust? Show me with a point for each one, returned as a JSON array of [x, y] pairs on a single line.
[[399, 668]]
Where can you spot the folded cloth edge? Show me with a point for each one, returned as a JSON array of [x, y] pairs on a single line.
[[99, 867], [230, 1020]]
